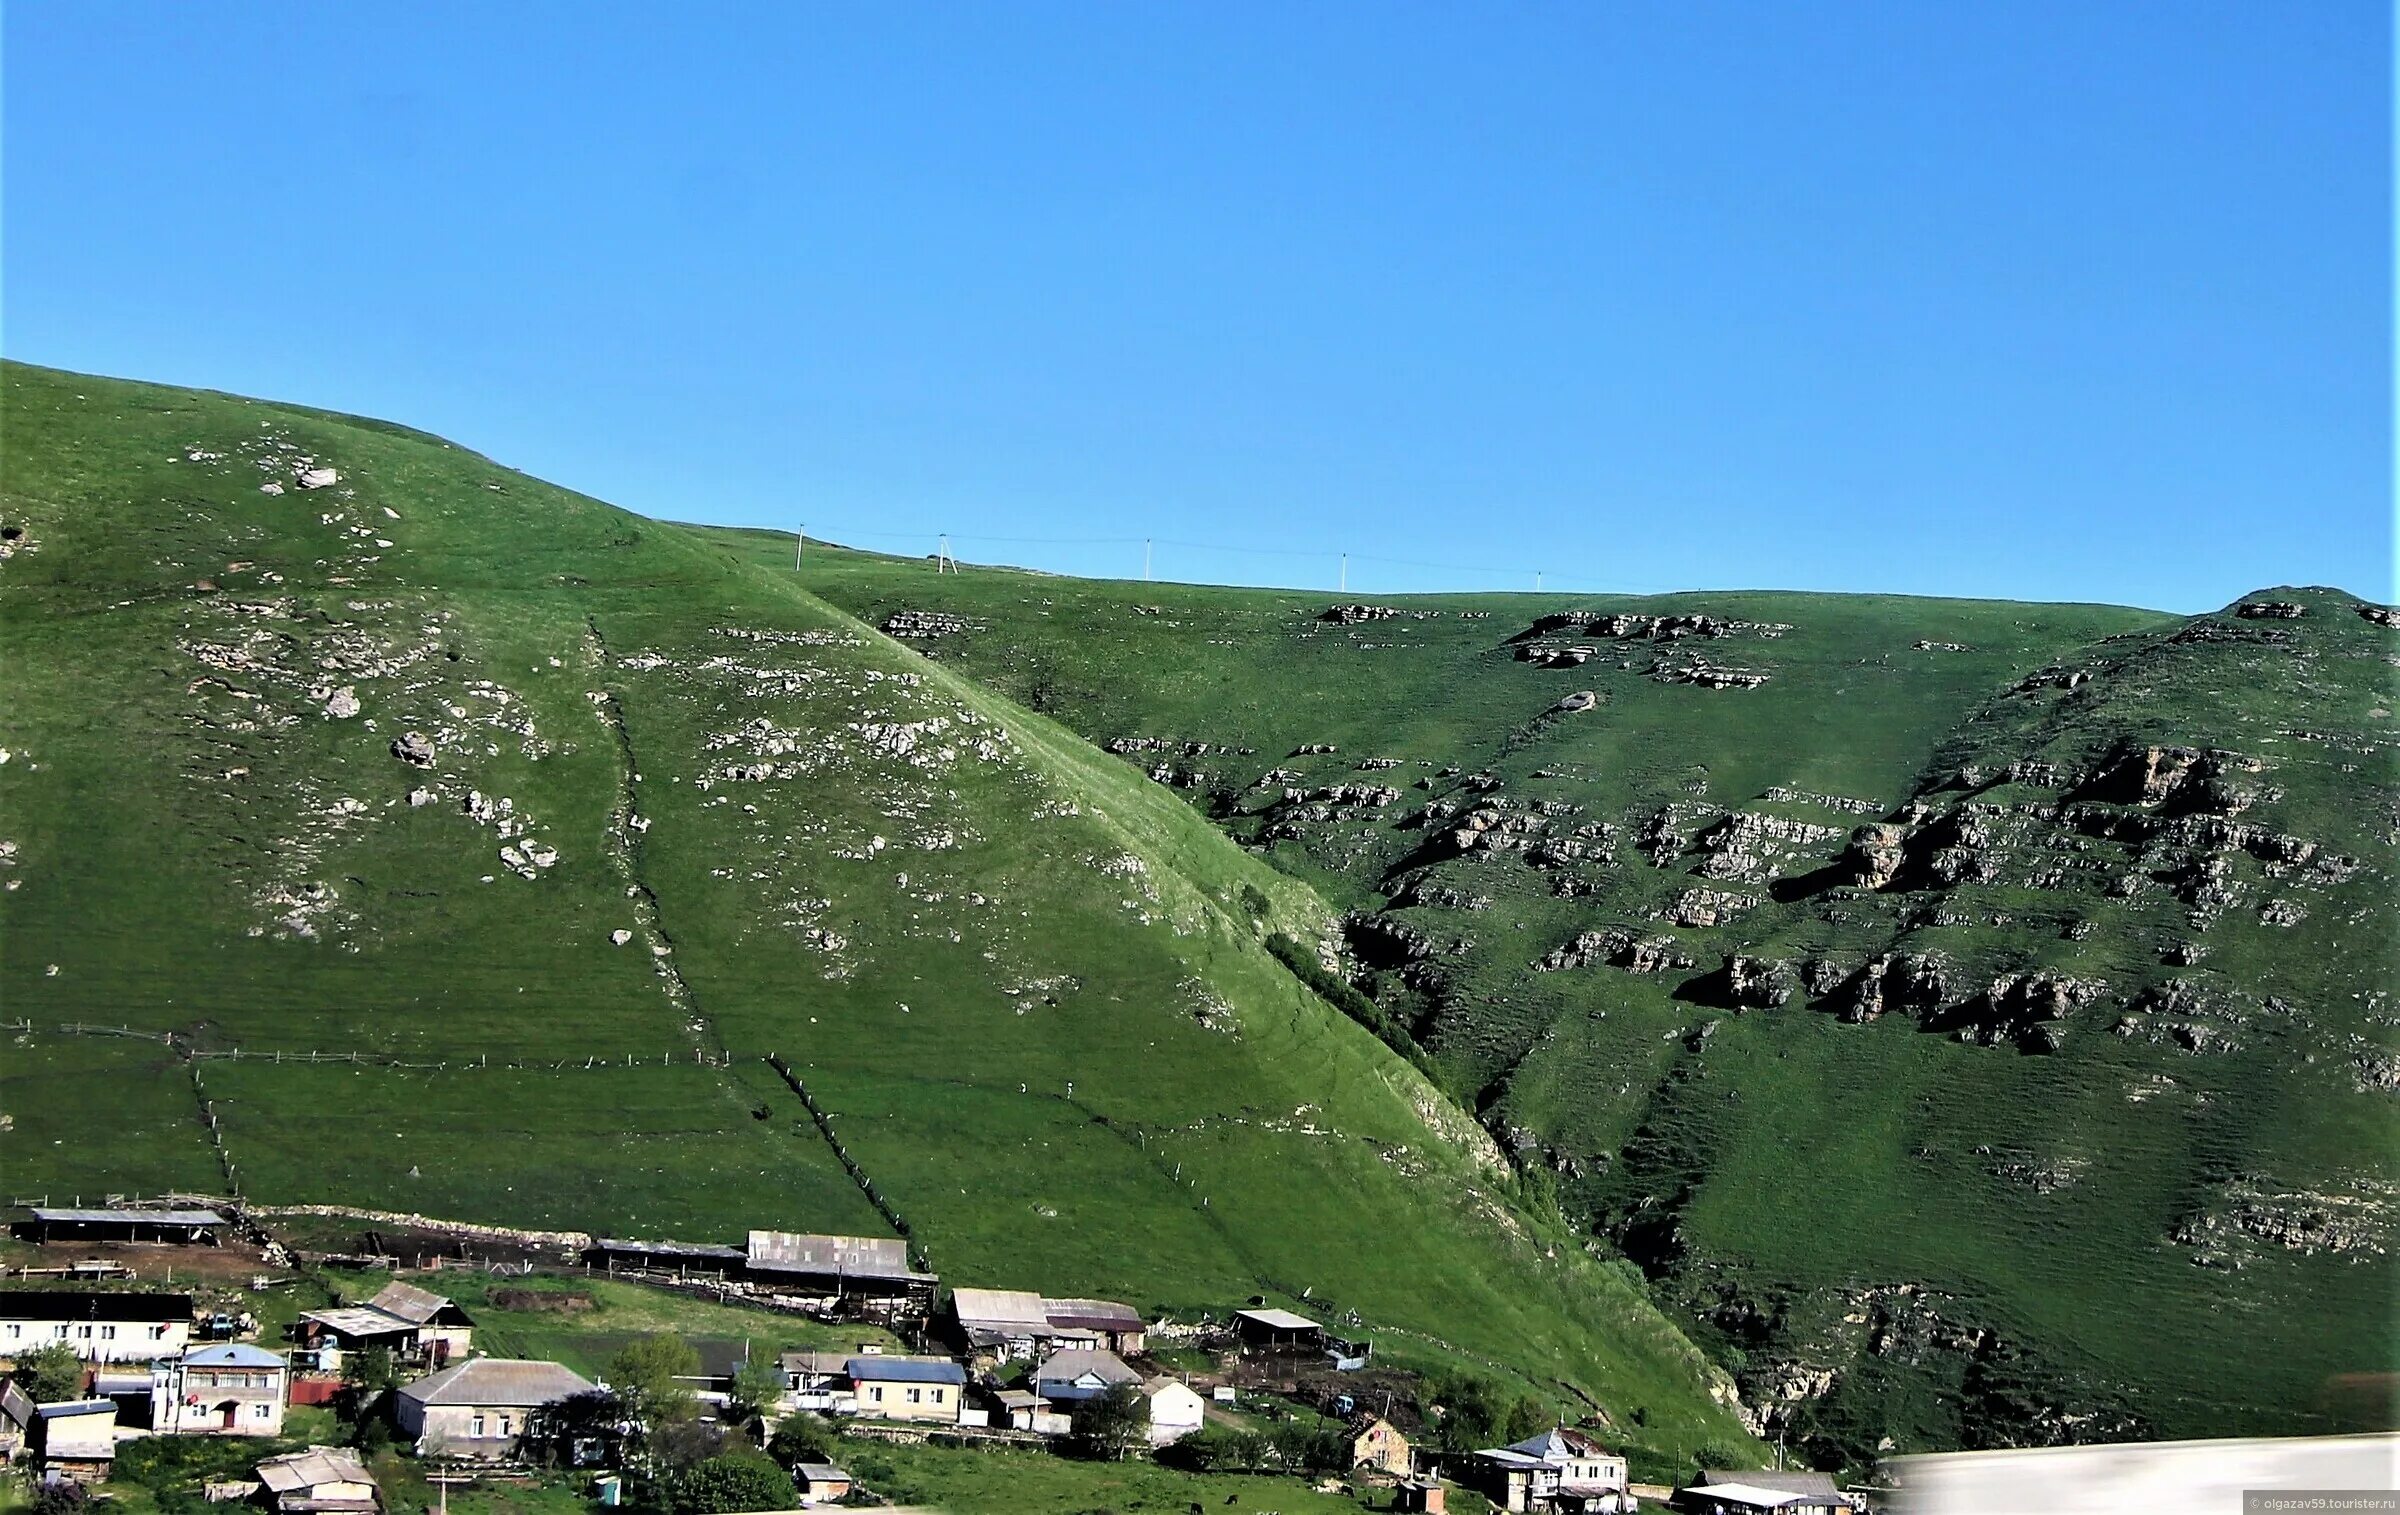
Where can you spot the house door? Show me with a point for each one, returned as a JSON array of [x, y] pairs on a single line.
[[229, 1407]]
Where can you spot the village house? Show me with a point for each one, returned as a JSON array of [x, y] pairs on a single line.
[[324, 1480], [889, 1386], [101, 1327], [179, 1227], [1115, 1327], [1080, 1373], [419, 1328], [1762, 1491], [1025, 1410], [481, 1407], [75, 1440], [227, 1390], [820, 1482], [817, 1381], [1376, 1444], [1175, 1410], [1561, 1470]]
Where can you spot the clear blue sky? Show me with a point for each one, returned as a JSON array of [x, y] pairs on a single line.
[[2061, 301]]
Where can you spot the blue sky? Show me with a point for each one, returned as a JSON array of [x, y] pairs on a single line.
[[2055, 301]]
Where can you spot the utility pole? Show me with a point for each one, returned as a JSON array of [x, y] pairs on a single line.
[[1145, 560], [1345, 573], [942, 561], [1537, 581], [800, 547]]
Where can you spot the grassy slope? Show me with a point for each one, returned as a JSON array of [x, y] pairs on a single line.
[[1792, 1170], [1026, 985]]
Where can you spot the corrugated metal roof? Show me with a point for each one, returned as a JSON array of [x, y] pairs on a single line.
[[820, 1363], [312, 1469], [410, 1303], [1075, 1363], [671, 1249], [847, 1256], [76, 1304], [125, 1217], [897, 1369], [498, 1381], [1280, 1320], [233, 1354], [359, 1320], [1796, 1481], [67, 1409], [1754, 1496], [1093, 1314], [1001, 1312]]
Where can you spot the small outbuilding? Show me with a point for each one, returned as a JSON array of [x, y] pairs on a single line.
[[1375, 1443], [326, 1480], [75, 1440], [1081, 1373], [1762, 1491], [1175, 1410], [820, 1482]]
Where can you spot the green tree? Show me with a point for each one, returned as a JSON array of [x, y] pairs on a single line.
[[757, 1389], [801, 1437], [51, 1373], [1113, 1425], [735, 1481], [646, 1378]]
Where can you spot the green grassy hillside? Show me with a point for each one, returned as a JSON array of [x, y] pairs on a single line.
[[502, 835], [1975, 1016]]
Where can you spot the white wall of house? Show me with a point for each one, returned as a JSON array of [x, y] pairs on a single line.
[[463, 1430], [99, 1341]]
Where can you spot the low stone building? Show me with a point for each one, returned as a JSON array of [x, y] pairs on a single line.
[[1375, 1443]]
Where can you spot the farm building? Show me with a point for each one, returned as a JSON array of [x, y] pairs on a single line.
[[75, 1440], [1028, 1411], [185, 1227], [330, 1480], [1561, 1470], [1175, 1410], [1008, 1323], [1376, 1443], [893, 1387], [228, 1390], [668, 1256], [1762, 1491], [1278, 1330], [418, 1327], [820, 1482], [872, 1270], [101, 1327], [1080, 1373], [480, 1407]]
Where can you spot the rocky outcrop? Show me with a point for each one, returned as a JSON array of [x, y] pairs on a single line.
[[2381, 615], [1352, 615], [925, 625], [1911, 983], [1618, 948], [1709, 907], [2270, 610], [1706, 675], [1749, 845], [1757, 983], [1875, 856]]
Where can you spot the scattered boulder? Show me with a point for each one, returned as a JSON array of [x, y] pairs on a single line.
[[1581, 699], [1757, 983], [2381, 615], [619, 937], [315, 478], [924, 625], [1352, 615], [1875, 855], [414, 748], [342, 704]]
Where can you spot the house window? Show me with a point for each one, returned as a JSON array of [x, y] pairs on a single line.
[[916, 1396], [478, 1425], [15, 1330], [504, 1425], [262, 1412], [87, 1333], [108, 1333], [875, 1395], [937, 1395]]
